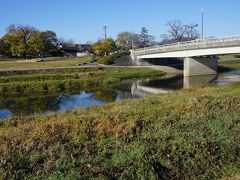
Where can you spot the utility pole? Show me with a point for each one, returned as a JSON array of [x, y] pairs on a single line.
[[105, 31], [202, 23]]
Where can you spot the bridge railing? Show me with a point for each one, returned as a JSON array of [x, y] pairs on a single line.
[[191, 45]]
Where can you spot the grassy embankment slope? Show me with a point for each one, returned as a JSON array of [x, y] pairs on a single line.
[[188, 134]]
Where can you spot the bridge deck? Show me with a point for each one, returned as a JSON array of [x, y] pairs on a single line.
[[233, 41]]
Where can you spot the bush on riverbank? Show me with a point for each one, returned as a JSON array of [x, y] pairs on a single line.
[[165, 136]]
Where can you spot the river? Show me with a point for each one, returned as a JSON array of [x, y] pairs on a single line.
[[20, 105]]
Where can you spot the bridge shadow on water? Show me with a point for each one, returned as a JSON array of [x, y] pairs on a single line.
[[176, 63]]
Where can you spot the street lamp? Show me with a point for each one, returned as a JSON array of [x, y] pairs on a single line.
[[190, 28]]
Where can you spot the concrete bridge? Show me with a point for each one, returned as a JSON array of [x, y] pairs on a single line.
[[200, 56]]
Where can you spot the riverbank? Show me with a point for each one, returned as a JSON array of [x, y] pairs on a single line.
[[163, 136], [78, 78], [229, 62]]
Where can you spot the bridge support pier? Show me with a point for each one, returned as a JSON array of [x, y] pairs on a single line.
[[133, 56], [137, 61], [197, 66]]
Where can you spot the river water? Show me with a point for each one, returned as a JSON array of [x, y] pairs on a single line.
[[19, 105]]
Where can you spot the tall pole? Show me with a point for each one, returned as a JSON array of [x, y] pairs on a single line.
[[202, 23], [105, 32]]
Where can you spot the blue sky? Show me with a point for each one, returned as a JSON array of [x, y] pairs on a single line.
[[82, 20]]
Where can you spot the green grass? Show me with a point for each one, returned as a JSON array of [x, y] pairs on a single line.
[[81, 78], [190, 134], [229, 62], [55, 63], [231, 65]]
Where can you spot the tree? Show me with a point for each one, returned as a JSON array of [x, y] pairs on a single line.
[[66, 43], [179, 32], [104, 47], [125, 40], [128, 40], [17, 39], [97, 48], [109, 46], [191, 31], [36, 43], [4, 48], [20, 41], [42, 42], [50, 42], [145, 38]]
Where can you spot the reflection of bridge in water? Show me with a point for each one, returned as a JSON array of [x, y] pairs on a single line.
[[198, 81], [169, 84]]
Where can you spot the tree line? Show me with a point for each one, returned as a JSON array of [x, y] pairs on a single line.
[[23, 41], [177, 32], [124, 42]]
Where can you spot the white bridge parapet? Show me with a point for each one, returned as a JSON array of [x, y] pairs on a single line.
[[232, 41]]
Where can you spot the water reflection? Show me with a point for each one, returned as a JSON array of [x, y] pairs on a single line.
[[4, 113], [198, 81], [231, 76], [45, 103], [81, 100], [157, 86]]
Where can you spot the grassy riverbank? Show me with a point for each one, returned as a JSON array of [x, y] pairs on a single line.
[[81, 78], [230, 65], [191, 134], [229, 62], [14, 64]]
